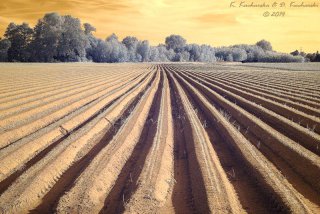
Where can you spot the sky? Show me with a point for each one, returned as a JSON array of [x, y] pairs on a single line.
[[211, 22]]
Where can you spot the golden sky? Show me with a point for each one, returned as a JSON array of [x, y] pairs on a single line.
[[204, 21]]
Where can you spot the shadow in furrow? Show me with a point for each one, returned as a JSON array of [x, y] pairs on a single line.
[[196, 199], [76, 109], [263, 144], [182, 197], [66, 181], [127, 181], [250, 193], [5, 184]]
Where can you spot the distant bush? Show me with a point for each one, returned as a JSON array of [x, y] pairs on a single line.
[[231, 54], [310, 57], [271, 56], [254, 53], [58, 38]]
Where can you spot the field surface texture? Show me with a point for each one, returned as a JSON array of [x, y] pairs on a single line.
[[159, 138]]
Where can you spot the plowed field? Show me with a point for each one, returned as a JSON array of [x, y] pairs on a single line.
[[159, 138]]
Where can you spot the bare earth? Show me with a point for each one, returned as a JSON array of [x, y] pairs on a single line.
[[159, 138]]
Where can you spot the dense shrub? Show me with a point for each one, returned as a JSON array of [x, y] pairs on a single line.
[[271, 56]]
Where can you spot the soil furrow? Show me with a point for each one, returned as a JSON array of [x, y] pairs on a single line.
[[27, 151], [301, 135], [39, 180], [219, 193], [91, 189], [27, 129], [159, 138], [154, 185], [278, 93], [304, 108], [272, 180], [51, 95]]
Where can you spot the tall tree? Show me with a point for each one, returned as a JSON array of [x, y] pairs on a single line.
[[88, 29], [47, 34], [73, 42], [4, 46], [131, 44], [265, 45], [92, 42], [116, 51], [175, 42], [295, 53], [317, 57], [112, 37], [143, 49], [20, 37]]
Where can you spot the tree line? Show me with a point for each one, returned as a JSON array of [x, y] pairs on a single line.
[[57, 38], [309, 57]]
